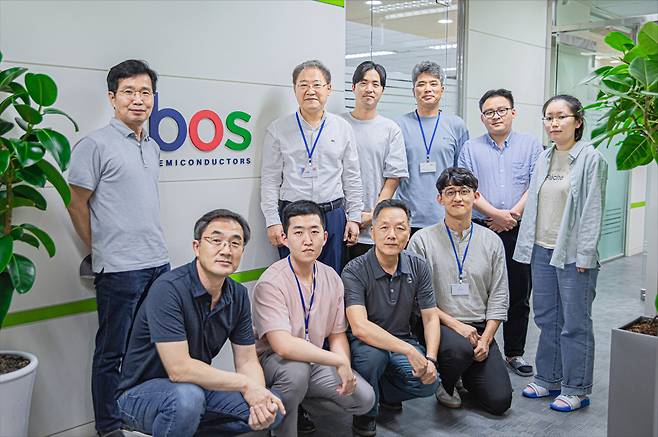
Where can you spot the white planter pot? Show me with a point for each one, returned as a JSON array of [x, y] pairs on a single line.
[[15, 397]]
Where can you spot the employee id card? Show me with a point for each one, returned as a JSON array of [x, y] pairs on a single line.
[[460, 289], [310, 170], [428, 167]]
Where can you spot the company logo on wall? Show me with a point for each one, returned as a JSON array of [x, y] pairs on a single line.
[[234, 123]]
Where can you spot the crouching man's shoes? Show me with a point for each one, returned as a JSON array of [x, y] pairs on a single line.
[[364, 425]]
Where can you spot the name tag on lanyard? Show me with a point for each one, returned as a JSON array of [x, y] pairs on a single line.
[[428, 166], [310, 170], [460, 289]]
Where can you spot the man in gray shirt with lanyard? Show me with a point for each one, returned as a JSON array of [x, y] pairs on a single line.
[[115, 209], [432, 140], [311, 155], [470, 281]]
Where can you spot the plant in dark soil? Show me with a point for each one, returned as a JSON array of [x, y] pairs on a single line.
[[10, 363]]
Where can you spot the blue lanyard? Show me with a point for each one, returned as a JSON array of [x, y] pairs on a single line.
[[315, 143], [422, 131], [460, 265], [307, 314]]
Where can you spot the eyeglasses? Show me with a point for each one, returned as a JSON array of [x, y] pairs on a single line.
[[500, 111], [131, 93], [317, 86], [451, 192], [219, 242], [560, 119]]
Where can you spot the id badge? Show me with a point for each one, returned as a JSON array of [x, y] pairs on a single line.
[[428, 167], [310, 171], [459, 289]]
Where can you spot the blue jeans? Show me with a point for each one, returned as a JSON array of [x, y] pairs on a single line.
[[163, 408], [389, 374], [118, 296], [562, 301]]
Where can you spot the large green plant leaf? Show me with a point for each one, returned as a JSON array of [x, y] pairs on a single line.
[[599, 72], [22, 273], [6, 293], [648, 38], [42, 88], [5, 126], [20, 92], [644, 71], [33, 175], [619, 41], [22, 123], [6, 250], [16, 202], [43, 236], [28, 113], [57, 145], [19, 234], [30, 193], [5, 155], [634, 53], [28, 153], [7, 76], [59, 112], [55, 177], [635, 151]]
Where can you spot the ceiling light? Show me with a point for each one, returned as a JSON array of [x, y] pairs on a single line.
[[369, 54], [443, 47], [426, 11], [445, 21], [374, 2]]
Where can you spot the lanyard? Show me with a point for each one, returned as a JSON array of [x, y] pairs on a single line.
[[460, 265], [422, 131], [307, 314], [315, 143]]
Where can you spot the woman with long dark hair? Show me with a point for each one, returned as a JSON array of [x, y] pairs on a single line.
[[558, 237]]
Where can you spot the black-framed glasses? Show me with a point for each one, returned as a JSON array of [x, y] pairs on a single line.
[[500, 111], [131, 93], [559, 118], [219, 242], [452, 192]]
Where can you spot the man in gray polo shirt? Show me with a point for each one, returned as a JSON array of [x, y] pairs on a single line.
[[115, 209], [470, 281], [432, 140], [383, 288]]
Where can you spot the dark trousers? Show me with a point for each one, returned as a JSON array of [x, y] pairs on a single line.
[[488, 380], [389, 373], [357, 250], [118, 295], [332, 252], [515, 328]]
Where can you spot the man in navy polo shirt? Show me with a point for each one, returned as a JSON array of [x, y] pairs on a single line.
[[168, 386]]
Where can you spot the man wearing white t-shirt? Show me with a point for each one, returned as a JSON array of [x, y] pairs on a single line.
[[382, 157]]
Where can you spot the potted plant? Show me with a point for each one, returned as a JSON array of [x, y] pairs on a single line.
[[23, 171], [628, 98]]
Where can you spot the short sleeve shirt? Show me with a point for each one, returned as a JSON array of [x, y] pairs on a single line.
[[124, 208], [381, 156], [390, 300], [418, 191], [278, 307], [177, 308]]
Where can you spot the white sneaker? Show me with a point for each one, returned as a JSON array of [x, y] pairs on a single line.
[[448, 401]]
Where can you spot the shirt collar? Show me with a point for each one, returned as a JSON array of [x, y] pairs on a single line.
[[493, 143], [126, 131], [198, 290], [574, 152], [307, 125], [403, 264]]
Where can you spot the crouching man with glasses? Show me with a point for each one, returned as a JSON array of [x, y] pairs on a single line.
[[168, 385], [470, 281]]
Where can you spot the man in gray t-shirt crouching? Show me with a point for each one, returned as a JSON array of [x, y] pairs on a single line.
[[115, 209]]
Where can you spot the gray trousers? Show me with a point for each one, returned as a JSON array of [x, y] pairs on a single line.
[[298, 381]]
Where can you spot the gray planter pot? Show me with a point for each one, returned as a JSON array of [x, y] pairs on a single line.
[[633, 397], [15, 396]]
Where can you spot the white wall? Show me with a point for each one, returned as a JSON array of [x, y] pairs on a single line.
[[219, 55], [506, 48]]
